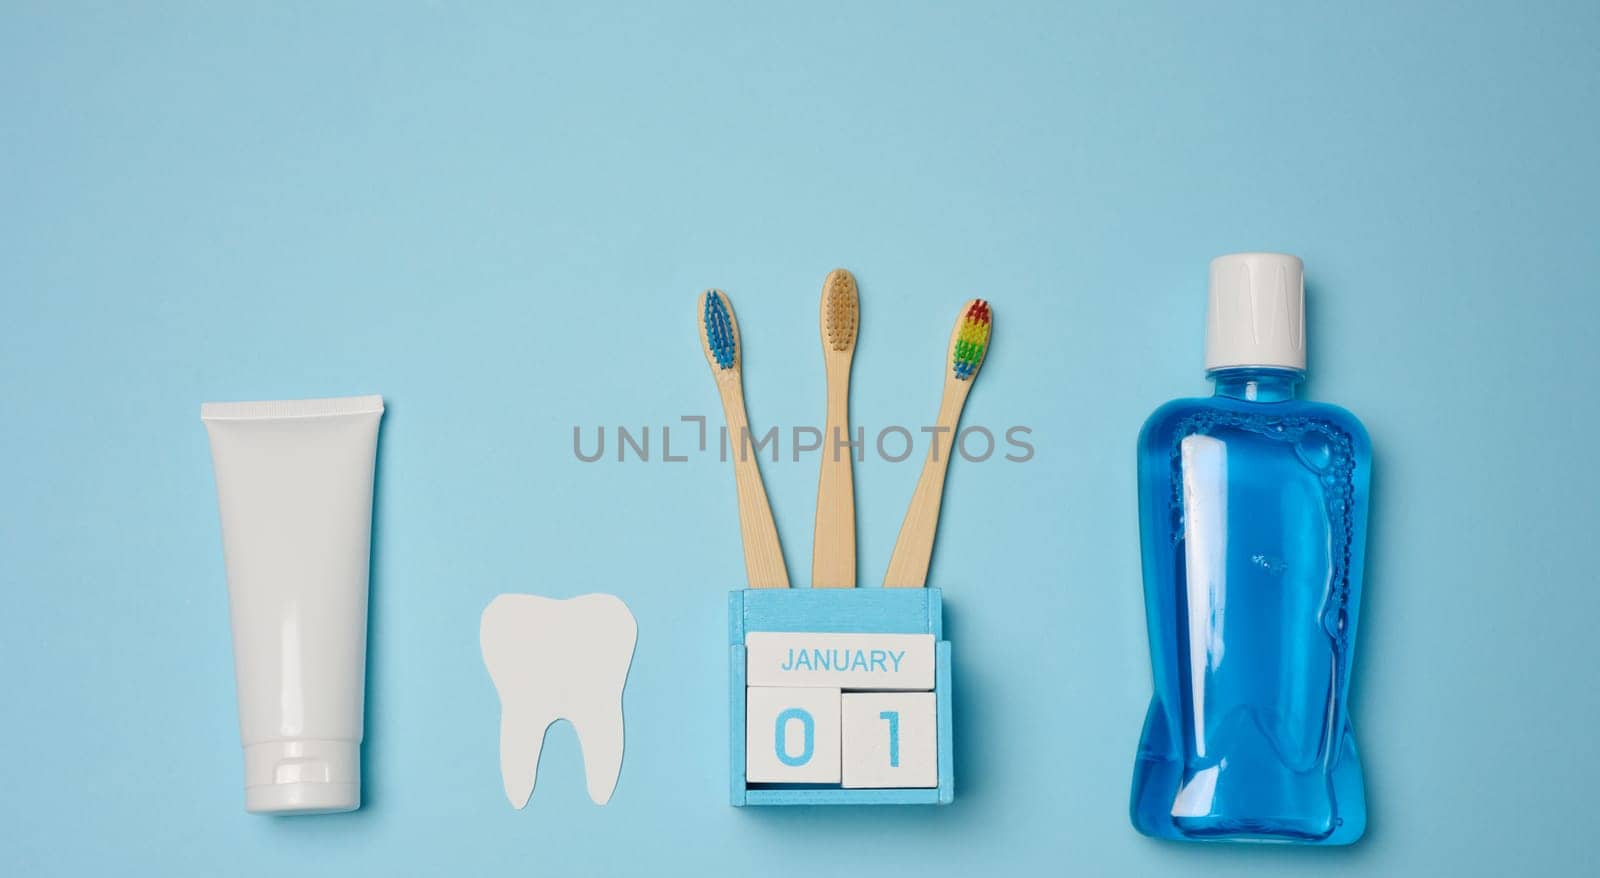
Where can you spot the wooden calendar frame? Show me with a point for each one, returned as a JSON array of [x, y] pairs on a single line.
[[838, 611]]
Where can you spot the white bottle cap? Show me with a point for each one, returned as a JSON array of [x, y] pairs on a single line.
[[1257, 314], [302, 777]]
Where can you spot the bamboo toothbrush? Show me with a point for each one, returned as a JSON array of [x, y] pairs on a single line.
[[719, 336], [833, 546], [908, 566]]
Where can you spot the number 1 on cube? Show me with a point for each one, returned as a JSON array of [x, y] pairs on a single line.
[[893, 716]]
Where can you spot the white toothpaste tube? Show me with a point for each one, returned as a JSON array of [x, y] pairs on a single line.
[[294, 484]]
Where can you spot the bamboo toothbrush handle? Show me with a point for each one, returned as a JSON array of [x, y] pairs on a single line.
[[763, 557], [913, 550], [833, 552]]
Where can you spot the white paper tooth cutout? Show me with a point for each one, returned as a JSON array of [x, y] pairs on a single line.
[[558, 659]]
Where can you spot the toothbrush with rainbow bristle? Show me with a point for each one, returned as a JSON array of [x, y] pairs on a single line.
[[969, 341], [719, 337], [833, 546]]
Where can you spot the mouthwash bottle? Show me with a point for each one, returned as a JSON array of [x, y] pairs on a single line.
[[1253, 521]]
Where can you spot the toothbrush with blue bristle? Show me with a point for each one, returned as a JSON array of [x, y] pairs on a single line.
[[719, 337]]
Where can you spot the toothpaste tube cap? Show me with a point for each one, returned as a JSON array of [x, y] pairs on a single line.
[[302, 777]]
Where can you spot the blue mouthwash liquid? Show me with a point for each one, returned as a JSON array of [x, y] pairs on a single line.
[[1253, 515]]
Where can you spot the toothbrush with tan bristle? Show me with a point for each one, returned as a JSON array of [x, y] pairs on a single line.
[[719, 337], [833, 546], [908, 566]]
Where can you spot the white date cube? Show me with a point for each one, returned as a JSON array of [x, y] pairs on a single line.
[[891, 740], [791, 735]]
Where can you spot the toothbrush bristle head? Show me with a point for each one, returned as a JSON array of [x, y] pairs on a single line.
[[718, 331], [972, 340], [841, 310]]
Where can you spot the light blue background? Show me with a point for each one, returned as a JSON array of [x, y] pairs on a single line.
[[499, 218]]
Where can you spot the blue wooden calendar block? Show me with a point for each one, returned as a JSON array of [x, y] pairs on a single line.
[[844, 611]]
